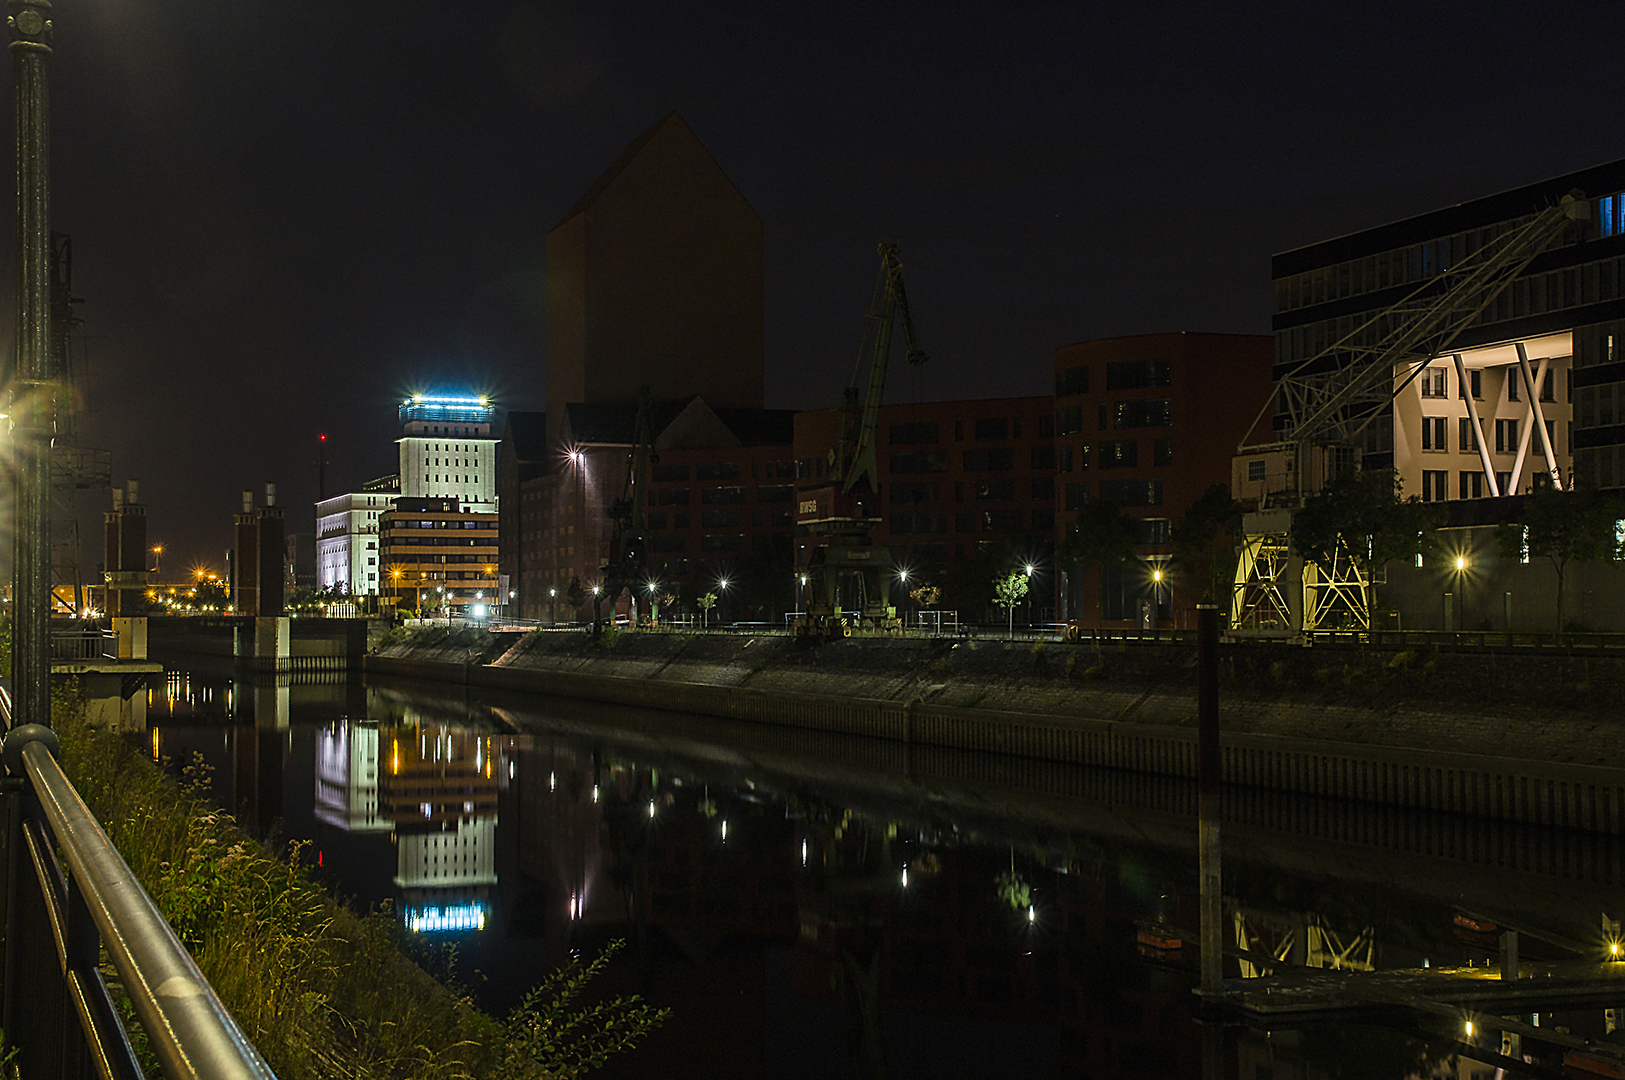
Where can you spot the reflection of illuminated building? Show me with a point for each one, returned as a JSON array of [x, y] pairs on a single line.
[[438, 788], [452, 857], [347, 778]]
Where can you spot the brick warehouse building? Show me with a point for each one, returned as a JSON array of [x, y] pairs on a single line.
[[720, 505], [965, 487], [1148, 423]]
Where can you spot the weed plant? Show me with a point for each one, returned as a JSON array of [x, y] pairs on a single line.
[[324, 993]]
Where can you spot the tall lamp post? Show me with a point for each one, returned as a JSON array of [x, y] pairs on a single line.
[[32, 396]]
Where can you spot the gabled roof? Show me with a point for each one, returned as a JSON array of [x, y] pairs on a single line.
[[526, 433], [625, 158], [760, 427], [617, 424]]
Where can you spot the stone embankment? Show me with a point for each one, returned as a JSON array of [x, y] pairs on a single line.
[[1521, 737]]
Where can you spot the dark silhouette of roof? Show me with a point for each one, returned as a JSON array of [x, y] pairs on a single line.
[[617, 424], [624, 158], [527, 434], [760, 427]]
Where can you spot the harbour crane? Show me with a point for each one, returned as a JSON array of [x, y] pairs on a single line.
[[848, 575], [1326, 404]]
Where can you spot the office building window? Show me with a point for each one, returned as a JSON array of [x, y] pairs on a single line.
[[1119, 454], [1434, 485], [1472, 485], [1073, 380], [1433, 436], [1077, 493], [992, 428], [914, 432], [1162, 451], [1132, 492], [1255, 470], [1432, 381], [1506, 436], [1503, 483], [1137, 374], [1144, 412], [1069, 419], [1467, 438], [1475, 380], [1063, 458]]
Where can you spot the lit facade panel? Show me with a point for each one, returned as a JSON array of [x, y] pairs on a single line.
[[348, 553], [447, 450], [438, 556]]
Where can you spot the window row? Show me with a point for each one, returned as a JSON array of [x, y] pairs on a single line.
[[718, 496], [1536, 294], [724, 470], [973, 521], [1435, 431], [722, 519], [926, 493], [1117, 492]]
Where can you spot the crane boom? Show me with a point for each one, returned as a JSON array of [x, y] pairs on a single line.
[[856, 456]]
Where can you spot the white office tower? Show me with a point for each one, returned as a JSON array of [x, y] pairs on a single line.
[[448, 452], [347, 547]]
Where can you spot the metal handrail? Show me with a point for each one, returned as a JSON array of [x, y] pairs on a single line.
[[96, 902]]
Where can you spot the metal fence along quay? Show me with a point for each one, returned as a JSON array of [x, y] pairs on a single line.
[[70, 897]]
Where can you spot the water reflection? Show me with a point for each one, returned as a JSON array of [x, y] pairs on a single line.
[[811, 906]]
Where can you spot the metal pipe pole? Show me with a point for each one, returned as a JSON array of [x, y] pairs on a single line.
[[32, 394], [1209, 764]]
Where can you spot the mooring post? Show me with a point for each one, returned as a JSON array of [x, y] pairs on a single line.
[[1208, 778]]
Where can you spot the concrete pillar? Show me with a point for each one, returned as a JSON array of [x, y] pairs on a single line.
[[132, 638]]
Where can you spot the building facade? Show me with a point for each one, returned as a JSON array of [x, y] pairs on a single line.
[[719, 508], [1148, 423], [439, 558], [655, 278], [348, 556], [1566, 310], [966, 487]]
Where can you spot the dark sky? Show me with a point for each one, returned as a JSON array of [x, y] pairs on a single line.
[[286, 214]]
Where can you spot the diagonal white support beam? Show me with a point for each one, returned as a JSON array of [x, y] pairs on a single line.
[[1528, 424], [1533, 383], [1478, 428]]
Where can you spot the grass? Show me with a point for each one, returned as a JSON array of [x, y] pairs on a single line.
[[323, 992]]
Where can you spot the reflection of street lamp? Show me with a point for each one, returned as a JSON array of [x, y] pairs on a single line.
[[722, 586]]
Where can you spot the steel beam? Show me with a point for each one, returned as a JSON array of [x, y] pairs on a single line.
[[1533, 383], [1478, 428]]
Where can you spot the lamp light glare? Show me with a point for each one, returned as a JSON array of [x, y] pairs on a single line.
[[1461, 562]]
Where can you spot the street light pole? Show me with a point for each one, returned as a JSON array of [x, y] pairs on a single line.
[[31, 392]]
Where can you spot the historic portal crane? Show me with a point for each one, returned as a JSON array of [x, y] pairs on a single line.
[[848, 576], [1326, 405]]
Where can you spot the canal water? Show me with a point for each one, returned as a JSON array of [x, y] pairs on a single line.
[[816, 906]]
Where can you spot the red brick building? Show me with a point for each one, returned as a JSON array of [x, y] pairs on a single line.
[[720, 506], [965, 488], [1148, 423]]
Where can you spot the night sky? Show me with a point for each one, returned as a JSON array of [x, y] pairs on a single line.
[[286, 215]]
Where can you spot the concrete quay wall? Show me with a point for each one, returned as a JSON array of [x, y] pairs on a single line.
[[1142, 723]]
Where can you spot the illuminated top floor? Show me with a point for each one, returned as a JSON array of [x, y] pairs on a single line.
[[436, 414]]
